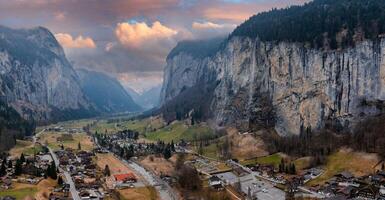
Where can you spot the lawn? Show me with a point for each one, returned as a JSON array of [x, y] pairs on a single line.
[[20, 147], [148, 193], [142, 126], [178, 131], [273, 159], [51, 139], [302, 163], [75, 123], [359, 164], [210, 151], [20, 194], [33, 150]]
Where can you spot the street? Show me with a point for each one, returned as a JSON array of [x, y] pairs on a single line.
[[68, 178]]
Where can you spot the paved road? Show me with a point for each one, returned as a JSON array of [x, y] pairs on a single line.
[[68, 178], [164, 190]]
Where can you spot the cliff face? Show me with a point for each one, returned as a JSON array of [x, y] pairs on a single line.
[[285, 85], [36, 78]]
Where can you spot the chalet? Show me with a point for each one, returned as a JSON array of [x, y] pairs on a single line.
[[382, 192], [345, 175], [88, 194], [125, 178], [215, 182], [368, 192]]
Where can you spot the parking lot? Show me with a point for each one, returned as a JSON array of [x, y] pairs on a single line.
[[253, 186]]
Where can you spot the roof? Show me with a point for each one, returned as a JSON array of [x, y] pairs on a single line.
[[214, 178], [346, 174], [123, 177]]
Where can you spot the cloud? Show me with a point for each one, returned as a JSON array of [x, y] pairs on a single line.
[[134, 35], [211, 25], [113, 45], [67, 41], [60, 16]]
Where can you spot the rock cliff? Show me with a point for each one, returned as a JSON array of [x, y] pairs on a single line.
[[285, 85], [36, 79]]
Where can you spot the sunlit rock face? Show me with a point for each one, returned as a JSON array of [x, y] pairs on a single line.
[[36, 78], [285, 85]]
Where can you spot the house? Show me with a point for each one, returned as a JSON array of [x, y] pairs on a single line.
[[368, 192], [382, 191], [215, 182], [125, 178], [345, 175]]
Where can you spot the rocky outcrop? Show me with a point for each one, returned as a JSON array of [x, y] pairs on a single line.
[[285, 85], [36, 78]]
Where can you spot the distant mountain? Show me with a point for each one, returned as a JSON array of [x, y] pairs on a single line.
[[106, 92], [36, 79], [149, 99]]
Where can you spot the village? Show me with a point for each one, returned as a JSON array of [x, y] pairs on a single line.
[[80, 165]]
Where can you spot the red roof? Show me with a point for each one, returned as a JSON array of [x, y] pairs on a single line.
[[125, 177]]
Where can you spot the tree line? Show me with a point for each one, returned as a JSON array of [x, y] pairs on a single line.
[[367, 135], [327, 24]]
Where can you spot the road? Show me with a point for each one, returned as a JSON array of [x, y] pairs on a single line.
[[164, 190], [68, 178]]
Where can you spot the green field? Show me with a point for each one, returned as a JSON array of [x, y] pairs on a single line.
[[273, 159], [19, 194], [141, 126], [178, 131], [33, 150]]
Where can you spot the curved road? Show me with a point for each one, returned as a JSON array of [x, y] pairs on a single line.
[[68, 178]]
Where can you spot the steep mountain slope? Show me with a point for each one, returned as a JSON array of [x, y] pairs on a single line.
[[36, 79], [12, 126], [149, 99], [266, 80], [106, 92]]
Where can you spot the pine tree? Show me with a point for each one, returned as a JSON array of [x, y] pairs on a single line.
[[22, 158], [172, 146], [10, 164], [18, 167], [167, 153], [60, 180], [107, 171], [3, 168]]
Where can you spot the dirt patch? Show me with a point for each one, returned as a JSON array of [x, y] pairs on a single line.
[[21, 145], [246, 146], [159, 165], [357, 163], [116, 166], [44, 188], [138, 193]]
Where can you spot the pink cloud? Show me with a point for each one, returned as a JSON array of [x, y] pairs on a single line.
[[67, 41], [134, 35]]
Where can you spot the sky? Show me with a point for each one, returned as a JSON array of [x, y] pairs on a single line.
[[130, 39]]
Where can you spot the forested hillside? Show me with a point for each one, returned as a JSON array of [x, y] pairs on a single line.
[[328, 24], [12, 126]]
